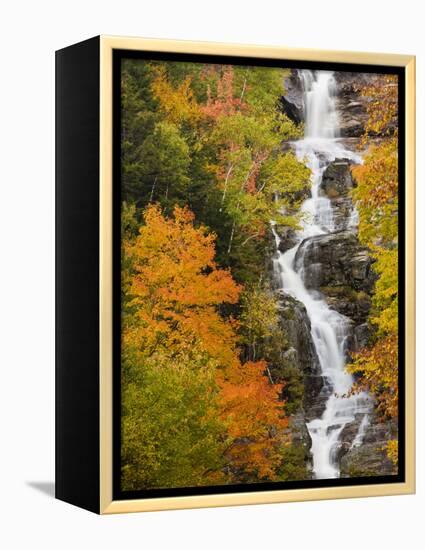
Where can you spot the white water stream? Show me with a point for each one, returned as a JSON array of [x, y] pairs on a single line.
[[329, 329]]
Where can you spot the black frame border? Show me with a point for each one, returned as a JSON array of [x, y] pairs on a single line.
[[118, 56]]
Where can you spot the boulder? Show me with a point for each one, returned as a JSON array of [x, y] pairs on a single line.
[[344, 216], [288, 238], [294, 92], [337, 180], [318, 392], [335, 260], [291, 110], [337, 183]]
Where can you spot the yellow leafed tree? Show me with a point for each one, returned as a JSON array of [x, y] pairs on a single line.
[[376, 197]]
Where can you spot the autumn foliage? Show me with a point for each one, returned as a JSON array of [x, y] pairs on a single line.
[[177, 103], [175, 286], [176, 340], [376, 197], [253, 414], [223, 102]]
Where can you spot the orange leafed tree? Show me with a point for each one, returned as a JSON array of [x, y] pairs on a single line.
[[254, 417], [176, 286]]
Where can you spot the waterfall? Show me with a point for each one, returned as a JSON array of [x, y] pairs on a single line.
[[319, 104], [329, 329]]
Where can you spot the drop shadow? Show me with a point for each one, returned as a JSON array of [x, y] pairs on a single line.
[[46, 487]]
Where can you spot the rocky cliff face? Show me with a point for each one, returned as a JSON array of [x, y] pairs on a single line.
[[292, 103], [337, 184], [300, 353], [336, 264], [369, 458], [351, 105], [341, 269], [338, 267]]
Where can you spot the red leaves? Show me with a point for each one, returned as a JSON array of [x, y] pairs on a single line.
[[223, 101]]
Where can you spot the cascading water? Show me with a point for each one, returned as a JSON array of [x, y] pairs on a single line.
[[329, 329]]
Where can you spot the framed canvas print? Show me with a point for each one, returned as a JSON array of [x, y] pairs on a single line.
[[235, 274]]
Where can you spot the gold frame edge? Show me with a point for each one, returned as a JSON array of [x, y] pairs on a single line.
[[106, 503], [105, 276]]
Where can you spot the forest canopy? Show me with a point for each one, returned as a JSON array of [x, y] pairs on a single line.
[[203, 173]]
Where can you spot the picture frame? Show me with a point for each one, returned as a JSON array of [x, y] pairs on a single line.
[[89, 275]]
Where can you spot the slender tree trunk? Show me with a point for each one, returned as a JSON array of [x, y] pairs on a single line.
[[250, 237], [269, 374], [226, 181], [153, 189], [232, 234], [229, 248], [243, 89]]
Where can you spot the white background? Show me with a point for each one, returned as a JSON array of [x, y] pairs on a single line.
[[30, 32]]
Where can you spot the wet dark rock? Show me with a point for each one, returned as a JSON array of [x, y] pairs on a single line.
[[340, 268], [288, 238], [342, 213], [362, 334], [294, 91], [296, 325], [291, 110], [316, 402], [301, 353], [341, 449], [337, 180], [353, 126], [337, 184], [299, 432], [350, 104], [350, 431], [351, 303], [335, 260], [370, 458]]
